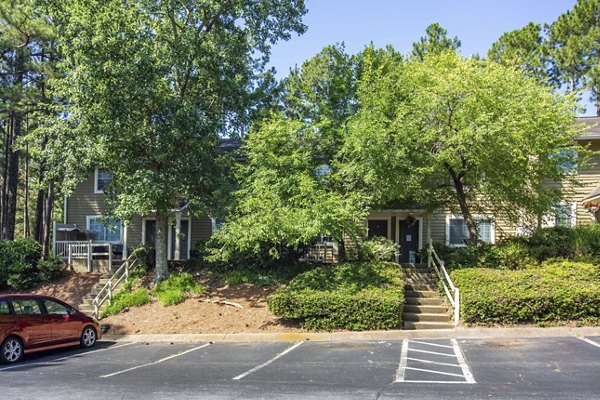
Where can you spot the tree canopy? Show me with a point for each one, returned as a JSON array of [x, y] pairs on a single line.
[[468, 135], [154, 84]]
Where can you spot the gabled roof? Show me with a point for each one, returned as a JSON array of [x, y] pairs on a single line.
[[593, 127]]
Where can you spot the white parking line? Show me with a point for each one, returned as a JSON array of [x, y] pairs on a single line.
[[403, 361], [435, 372], [590, 341], [463, 364], [432, 362], [155, 362], [431, 344], [67, 357], [432, 352], [278, 356]]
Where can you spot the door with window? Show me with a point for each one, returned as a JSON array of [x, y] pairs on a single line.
[[64, 329], [36, 325], [408, 239]]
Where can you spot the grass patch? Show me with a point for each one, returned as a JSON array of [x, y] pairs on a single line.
[[126, 299], [556, 290], [176, 288], [354, 296]]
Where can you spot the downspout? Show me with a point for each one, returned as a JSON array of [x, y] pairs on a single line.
[[65, 210]]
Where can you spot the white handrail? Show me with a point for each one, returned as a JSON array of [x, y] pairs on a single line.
[[121, 273], [433, 260]]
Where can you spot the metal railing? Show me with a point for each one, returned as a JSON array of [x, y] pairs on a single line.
[[106, 293], [452, 292]]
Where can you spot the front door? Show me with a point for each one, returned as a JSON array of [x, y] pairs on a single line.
[[408, 239], [183, 240]]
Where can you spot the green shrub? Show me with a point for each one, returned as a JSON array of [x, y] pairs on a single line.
[[546, 243], [355, 296], [374, 249], [587, 241], [22, 266], [127, 299], [556, 290], [175, 288]]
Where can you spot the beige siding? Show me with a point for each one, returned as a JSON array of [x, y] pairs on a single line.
[[84, 202]]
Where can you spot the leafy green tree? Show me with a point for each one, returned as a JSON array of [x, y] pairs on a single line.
[[434, 41], [574, 43], [153, 84], [470, 135], [290, 191], [524, 48]]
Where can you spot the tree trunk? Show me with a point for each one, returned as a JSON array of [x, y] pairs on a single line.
[[464, 208], [26, 194], [48, 219], [12, 165], [161, 271], [38, 223], [12, 180], [4, 177]]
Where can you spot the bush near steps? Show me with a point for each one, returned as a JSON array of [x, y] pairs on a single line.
[[354, 296], [555, 290]]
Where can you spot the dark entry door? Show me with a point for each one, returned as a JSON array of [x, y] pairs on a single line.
[[408, 239]]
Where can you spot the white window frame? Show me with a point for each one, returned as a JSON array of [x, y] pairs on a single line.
[[89, 218], [213, 225], [476, 218], [96, 190], [549, 219]]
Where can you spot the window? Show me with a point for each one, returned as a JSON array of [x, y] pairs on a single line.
[[102, 178], [217, 224], [104, 229], [26, 306], [55, 308], [4, 309], [457, 232], [563, 214], [377, 227], [567, 160]]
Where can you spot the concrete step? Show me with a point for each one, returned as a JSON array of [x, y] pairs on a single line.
[[411, 325], [418, 287], [424, 301], [426, 317], [427, 309], [421, 293]]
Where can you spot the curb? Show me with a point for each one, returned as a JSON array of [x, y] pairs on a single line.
[[458, 333]]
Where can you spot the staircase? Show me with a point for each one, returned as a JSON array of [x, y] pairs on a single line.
[[87, 306], [424, 307]]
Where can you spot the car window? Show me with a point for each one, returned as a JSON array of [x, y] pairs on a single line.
[[4, 309], [26, 306], [54, 308]]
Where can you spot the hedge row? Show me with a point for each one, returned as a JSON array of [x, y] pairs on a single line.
[[354, 296], [556, 290]]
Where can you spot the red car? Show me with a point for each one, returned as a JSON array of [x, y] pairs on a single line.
[[30, 323]]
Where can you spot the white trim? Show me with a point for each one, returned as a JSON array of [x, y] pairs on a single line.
[[88, 218], [96, 190], [421, 221], [475, 217]]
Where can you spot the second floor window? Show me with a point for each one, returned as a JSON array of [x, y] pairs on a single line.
[[102, 178]]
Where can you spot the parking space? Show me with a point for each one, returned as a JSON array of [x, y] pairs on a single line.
[[513, 368], [433, 361]]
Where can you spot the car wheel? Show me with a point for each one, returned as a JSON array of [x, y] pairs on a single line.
[[11, 350], [88, 337]]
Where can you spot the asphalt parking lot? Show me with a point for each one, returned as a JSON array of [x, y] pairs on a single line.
[[548, 368]]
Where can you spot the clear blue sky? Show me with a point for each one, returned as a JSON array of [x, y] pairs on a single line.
[[477, 23]]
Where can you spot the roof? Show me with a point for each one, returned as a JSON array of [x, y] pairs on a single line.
[[593, 127], [227, 144]]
